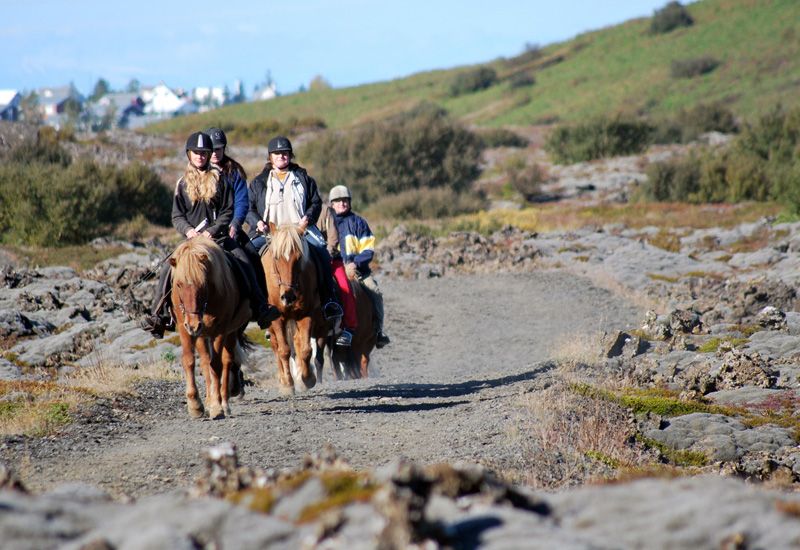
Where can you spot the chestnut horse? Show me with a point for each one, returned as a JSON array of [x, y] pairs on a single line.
[[291, 277], [352, 362], [211, 314]]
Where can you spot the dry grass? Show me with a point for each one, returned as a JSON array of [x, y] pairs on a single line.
[[40, 408], [566, 438], [577, 349]]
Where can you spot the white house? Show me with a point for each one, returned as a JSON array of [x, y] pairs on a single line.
[[53, 100], [9, 104], [268, 91], [163, 101], [211, 96]]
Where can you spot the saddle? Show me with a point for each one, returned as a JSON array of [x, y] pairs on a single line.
[[238, 268]]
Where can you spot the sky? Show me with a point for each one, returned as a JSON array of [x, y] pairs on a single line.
[[215, 43]]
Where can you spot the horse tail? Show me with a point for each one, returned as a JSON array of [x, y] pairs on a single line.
[[245, 343]]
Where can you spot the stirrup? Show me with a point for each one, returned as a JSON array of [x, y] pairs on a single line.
[[332, 310], [153, 324], [345, 339], [269, 314], [382, 340]]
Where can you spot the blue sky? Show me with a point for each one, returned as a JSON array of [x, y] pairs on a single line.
[[348, 42]]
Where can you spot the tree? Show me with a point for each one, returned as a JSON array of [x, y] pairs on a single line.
[[133, 86], [100, 89], [29, 108], [319, 83]]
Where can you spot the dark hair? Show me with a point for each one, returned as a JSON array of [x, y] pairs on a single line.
[[229, 166]]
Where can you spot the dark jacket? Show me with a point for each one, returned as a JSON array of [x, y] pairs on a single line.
[[218, 212], [356, 241], [257, 191]]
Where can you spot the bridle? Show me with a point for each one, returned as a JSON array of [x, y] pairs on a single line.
[[290, 286]]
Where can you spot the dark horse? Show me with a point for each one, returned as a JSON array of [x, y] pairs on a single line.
[[291, 277], [211, 314], [353, 361]]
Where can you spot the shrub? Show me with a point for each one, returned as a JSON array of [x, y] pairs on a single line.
[[670, 17], [421, 148], [473, 80], [689, 124], [598, 138], [501, 137], [47, 203], [690, 68], [521, 80], [672, 181], [526, 180], [425, 204]]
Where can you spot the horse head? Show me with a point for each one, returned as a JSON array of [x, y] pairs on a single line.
[[190, 284], [289, 253]]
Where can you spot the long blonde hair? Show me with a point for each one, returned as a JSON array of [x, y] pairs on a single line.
[[201, 185]]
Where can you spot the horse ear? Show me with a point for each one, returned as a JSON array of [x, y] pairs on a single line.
[[173, 262], [272, 228]]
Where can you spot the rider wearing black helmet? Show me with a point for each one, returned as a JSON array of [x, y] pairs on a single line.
[[203, 205], [284, 193]]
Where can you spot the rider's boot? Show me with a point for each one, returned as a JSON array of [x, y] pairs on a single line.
[[345, 338]]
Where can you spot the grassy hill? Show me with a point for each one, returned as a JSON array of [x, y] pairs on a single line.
[[622, 68]]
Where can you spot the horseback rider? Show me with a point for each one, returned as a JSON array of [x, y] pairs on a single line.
[[283, 193], [356, 248], [203, 205]]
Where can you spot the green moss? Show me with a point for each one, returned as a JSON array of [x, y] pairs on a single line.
[[665, 278], [675, 456], [650, 400], [257, 499], [713, 344], [342, 488], [603, 458]]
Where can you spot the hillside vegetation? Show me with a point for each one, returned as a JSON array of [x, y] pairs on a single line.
[[751, 49]]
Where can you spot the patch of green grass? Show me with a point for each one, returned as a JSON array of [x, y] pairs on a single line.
[[650, 400], [664, 278], [712, 345], [604, 459], [678, 457], [342, 488], [258, 337]]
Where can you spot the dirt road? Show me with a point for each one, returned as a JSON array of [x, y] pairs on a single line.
[[463, 350]]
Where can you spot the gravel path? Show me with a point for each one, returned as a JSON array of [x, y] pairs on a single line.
[[464, 349]]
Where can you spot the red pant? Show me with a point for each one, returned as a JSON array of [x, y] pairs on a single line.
[[350, 319]]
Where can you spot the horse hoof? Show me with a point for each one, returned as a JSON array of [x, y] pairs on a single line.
[[195, 409], [310, 381], [287, 390], [216, 413]]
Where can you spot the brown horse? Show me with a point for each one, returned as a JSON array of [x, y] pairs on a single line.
[[211, 314], [291, 277], [352, 362]]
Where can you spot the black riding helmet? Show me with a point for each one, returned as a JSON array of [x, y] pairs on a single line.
[[218, 138], [279, 143], [199, 141]]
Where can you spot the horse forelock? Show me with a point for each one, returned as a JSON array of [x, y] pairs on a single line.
[[196, 259], [286, 243]]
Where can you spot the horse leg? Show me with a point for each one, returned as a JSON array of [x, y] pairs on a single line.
[[282, 355], [364, 364], [212, 359], [302, 348], [318, 356], [228, 359], [193, 403]]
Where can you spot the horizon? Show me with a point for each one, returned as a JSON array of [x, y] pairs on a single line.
[[372, 43]]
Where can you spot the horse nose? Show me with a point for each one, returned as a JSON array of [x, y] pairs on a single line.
[[288, 297], [193, 331]]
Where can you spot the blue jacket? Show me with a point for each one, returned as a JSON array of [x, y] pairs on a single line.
[[356, 241], [241, 199]]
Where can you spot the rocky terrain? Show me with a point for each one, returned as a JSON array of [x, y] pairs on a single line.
[[504, 401]]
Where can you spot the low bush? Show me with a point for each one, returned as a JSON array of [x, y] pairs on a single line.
[[761, 164], [259, 132], [689, 124], [521, 80], [419, 149], [525, 179], [466, 82], [598, 138], [425, 204], [45, 202], [500, 137], [670, 17], [690, 68]]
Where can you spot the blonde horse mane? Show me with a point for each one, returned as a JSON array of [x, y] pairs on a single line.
[[196, 258], [286, 241]]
